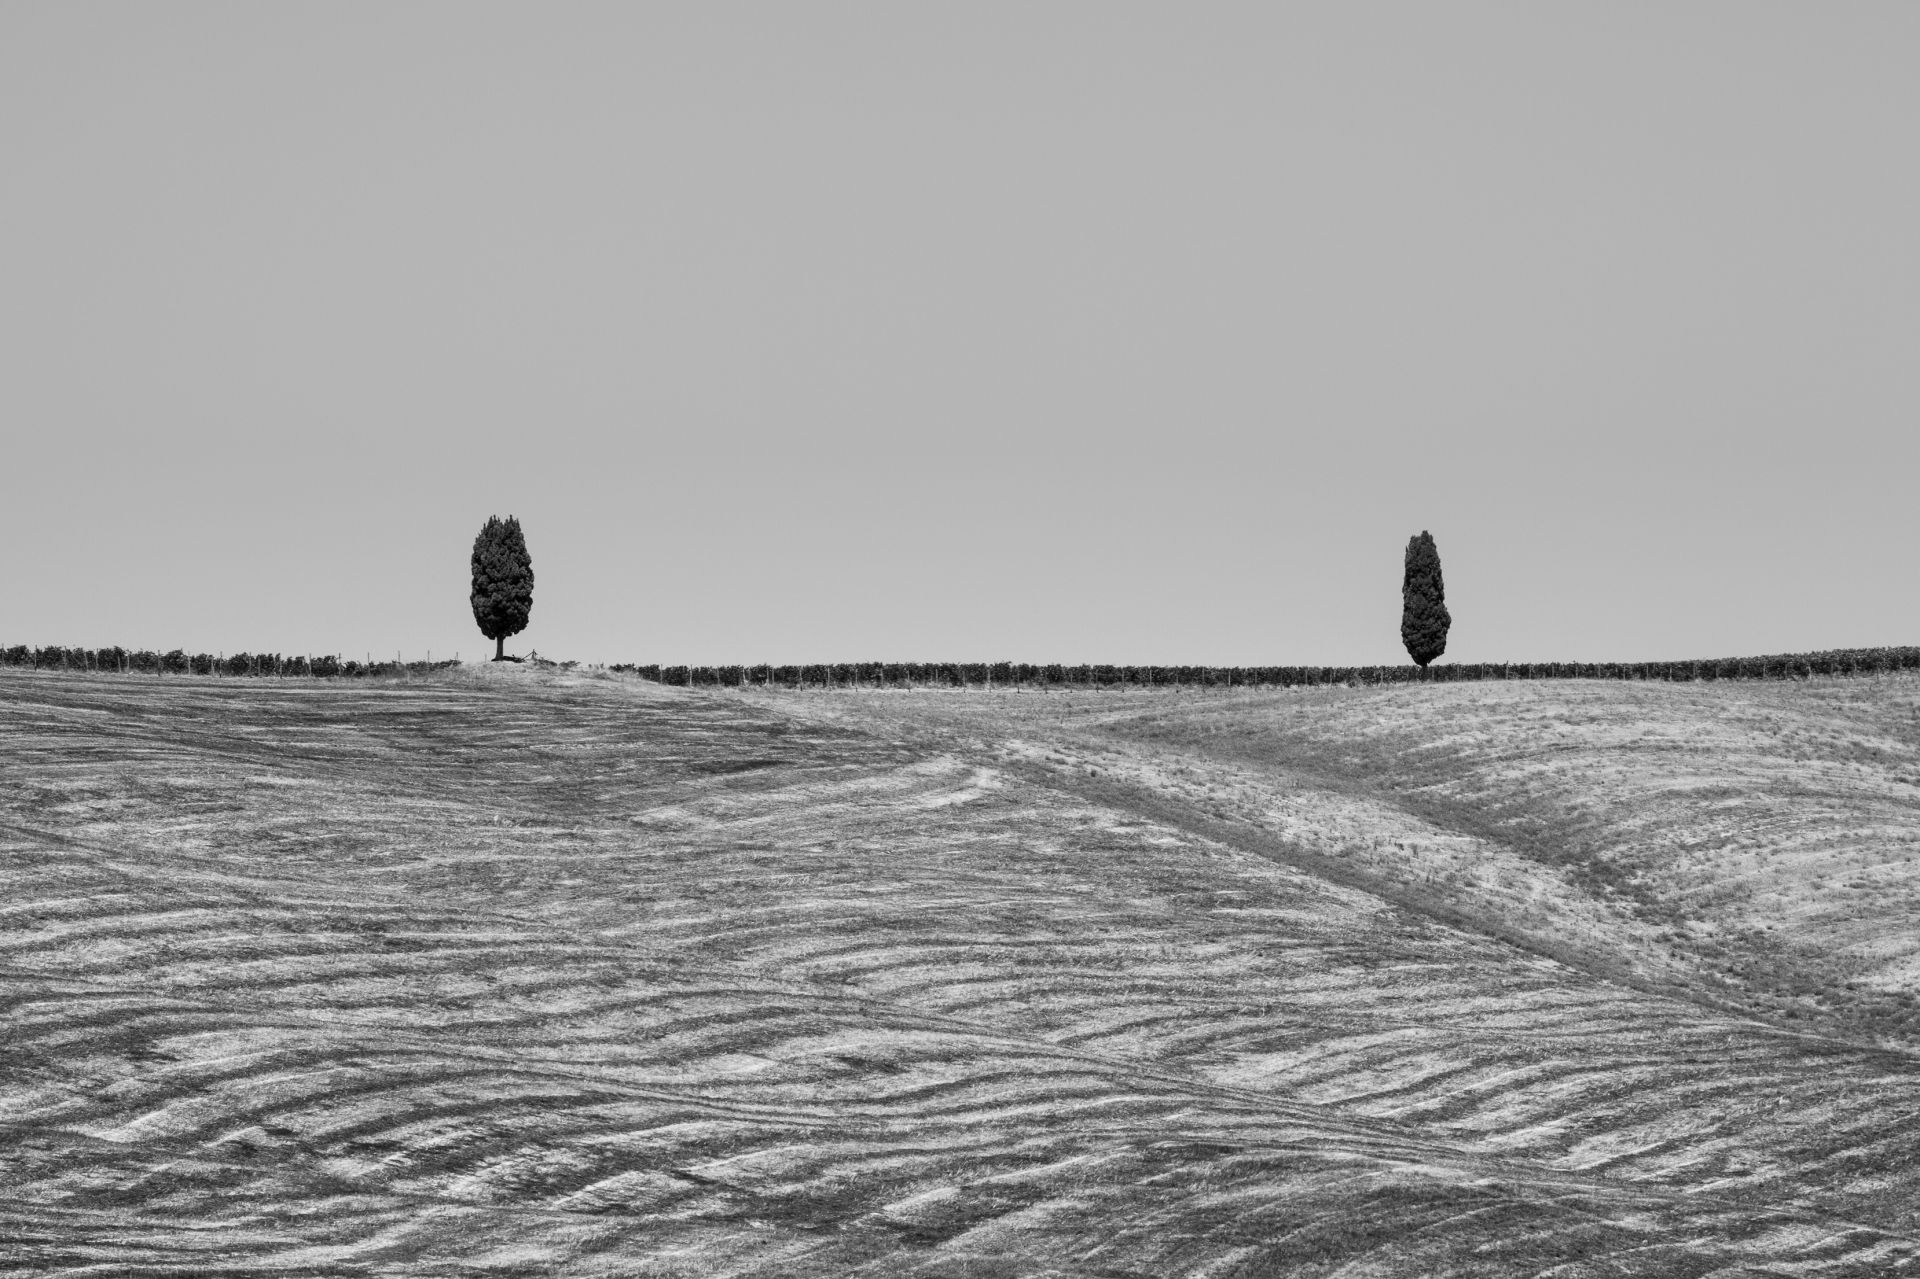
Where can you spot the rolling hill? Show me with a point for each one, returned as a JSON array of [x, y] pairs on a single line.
[[525, 973]]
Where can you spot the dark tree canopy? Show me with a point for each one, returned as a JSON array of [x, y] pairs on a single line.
[[502, 582], [1423, 602]]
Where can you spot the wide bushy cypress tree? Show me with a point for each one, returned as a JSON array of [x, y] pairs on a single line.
[[1423, 602], [502, 582]]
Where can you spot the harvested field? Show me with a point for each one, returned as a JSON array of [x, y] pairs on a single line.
[[521, 973]]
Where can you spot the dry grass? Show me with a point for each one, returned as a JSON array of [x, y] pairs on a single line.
[[521, 973]]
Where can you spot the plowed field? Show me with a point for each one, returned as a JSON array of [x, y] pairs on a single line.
[[509, 972]]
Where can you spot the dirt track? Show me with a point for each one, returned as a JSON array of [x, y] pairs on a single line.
[[522, 974]]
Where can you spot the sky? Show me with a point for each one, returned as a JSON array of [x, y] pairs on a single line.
[[1035, 331]]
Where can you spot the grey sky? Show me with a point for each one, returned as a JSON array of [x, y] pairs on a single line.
[[1045, 332]]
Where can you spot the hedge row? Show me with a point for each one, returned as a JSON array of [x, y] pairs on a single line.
[[1851, 661], [145, 662]]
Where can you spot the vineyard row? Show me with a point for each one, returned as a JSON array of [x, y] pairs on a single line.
[[1853, 661], [143, 662], [1850, 661]]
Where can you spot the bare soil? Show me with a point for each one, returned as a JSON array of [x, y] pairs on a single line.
[[526, 973]]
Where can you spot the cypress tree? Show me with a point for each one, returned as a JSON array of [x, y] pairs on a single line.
[[1423, 602], [502, 582]]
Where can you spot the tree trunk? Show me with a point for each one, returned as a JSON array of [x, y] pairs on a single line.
[[500, 648]]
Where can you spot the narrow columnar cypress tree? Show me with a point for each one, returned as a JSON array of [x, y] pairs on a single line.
[[1423, 602], [502, 582]]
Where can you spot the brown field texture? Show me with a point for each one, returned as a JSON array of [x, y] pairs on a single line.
[[512, 972]]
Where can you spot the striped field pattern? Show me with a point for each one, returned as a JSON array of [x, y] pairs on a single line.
[[533, 973]]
